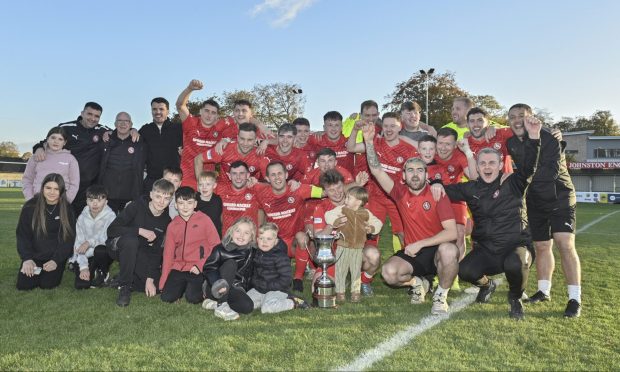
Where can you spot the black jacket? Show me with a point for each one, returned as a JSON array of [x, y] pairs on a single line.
[[243, 257], [84, 144], [212, 208], [126, 184], [271, 271], [498, 210], [30, 246], [162, 147], [137, 215], [551, 181]]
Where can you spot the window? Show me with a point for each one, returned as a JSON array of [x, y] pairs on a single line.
[[607, 153]]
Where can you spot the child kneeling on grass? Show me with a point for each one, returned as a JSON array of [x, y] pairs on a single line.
[[359, 222], [272, 274], [190, 238], [90, 260]]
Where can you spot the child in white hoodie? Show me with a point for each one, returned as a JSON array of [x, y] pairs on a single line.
[[90, 260]]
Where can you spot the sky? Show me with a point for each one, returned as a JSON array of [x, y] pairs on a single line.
[[561, 56]]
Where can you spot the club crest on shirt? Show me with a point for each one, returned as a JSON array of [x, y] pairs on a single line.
[[251, 169], [496, 194], [289, 166], [427, 206], [437, 176], [290, 200], [248, 196], [450, 168], [95, 138], [400, 159], [215, 134], [497, 145], [130, 150]]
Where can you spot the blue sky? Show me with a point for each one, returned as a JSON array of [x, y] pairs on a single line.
[[562, 56]]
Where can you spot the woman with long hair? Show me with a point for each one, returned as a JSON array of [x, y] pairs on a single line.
[[228, 271], [45, 235], [57, 160]]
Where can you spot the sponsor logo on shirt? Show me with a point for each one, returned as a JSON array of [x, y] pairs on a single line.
[[63, 163]]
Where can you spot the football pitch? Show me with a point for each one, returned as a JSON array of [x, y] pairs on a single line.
[[66, 329]]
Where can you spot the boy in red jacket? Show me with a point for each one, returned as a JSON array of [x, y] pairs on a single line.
[[190, 238]]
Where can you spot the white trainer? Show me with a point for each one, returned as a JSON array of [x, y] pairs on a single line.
[[209, 304], [419, 290], [225, 312], [440, 305]]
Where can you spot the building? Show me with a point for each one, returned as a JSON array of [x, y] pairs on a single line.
[[11, 171]]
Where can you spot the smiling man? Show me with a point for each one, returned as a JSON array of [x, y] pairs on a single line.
[[294, 159]]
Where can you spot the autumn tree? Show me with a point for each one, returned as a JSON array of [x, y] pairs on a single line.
[[9, 149]]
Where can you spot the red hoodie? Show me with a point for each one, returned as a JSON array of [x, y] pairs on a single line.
[[187, 244]]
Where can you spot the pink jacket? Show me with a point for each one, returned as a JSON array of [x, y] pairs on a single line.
[[61, 162]]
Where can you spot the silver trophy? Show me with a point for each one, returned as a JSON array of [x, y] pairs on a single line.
[[324, 295]]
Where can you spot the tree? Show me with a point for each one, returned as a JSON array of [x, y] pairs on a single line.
[[9, 149], [442, 90], [26, 156], [601, 122]]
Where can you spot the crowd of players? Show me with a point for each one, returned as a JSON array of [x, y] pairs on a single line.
[[216, 207]]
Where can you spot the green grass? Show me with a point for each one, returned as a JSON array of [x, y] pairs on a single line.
[[64, 329]]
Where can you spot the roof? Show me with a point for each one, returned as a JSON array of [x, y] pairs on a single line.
[[578, 133]]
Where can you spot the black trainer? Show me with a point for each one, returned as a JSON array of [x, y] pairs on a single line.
[[516, 309], [99, 279], [573, 309], [538, 297], [484, 295], [124, 296], [298, 285]]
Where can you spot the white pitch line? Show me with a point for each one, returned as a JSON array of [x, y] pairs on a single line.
[[592, 223], [402, 338]]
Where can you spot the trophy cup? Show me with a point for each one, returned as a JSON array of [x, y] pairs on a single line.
[[324, 295]]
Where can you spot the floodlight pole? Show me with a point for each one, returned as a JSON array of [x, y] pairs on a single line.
[[427, 75]]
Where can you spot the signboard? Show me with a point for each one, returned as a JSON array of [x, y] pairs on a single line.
[[595, 165], [613, 198], [588, 197]]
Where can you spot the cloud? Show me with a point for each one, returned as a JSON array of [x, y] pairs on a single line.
[[286, 10]]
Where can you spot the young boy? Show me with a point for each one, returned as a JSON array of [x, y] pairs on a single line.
[[359, 222], [174, 176], [210, 203], [190, 238], [90, 260], [135, 239], [272, 274]]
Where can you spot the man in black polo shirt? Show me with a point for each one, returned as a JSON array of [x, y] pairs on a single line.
[[84, 136], [163, 140]]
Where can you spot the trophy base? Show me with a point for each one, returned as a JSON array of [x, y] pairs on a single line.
[[324, 295]]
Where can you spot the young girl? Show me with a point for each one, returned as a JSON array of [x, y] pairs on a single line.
[[228, 271], [272, 274], [45, 235], [57, 160]]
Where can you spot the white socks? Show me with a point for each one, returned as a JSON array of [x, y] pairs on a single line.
[[545, 286], [441, 292], [574, 292]]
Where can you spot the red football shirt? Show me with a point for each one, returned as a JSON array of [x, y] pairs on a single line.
[[310, 152], [285, 210], [296, 162], [237, 203], [345, 158], [257, 164], [313, 176], [452, 169], [318, 214], [421, 215], [196, 139], [392, 159], [498, 142]]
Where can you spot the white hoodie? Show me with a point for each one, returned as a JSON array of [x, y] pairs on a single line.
[[93, 230]]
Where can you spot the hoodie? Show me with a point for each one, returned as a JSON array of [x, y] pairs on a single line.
[[92, 230], [61, 162]]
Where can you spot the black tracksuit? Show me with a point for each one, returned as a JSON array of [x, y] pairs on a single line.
[[501, 238], [40, 249], [162, 149], [138, 259], [235, 266], [212, 208], [122, 170], [84, 144], [271, 271]]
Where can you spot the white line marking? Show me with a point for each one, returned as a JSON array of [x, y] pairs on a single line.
[[388, 347], [592, 223], [402, 338]]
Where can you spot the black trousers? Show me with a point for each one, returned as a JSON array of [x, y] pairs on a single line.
[[100, 261], [45, 280], [132, 259], [180, 282], [514, 263], [236, 297], [117, 205]]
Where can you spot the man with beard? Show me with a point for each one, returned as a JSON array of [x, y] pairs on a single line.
[[429, 226], [551, 204], [478, 124], [460, 107], [238, 199], [164, 141]]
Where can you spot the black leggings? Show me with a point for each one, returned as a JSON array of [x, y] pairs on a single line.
[[514, 263], [180, 282], [236, 297], [45, 280]]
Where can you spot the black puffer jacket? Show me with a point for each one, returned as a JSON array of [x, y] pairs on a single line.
[[243, 257], [498, 210], [272, 270]]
